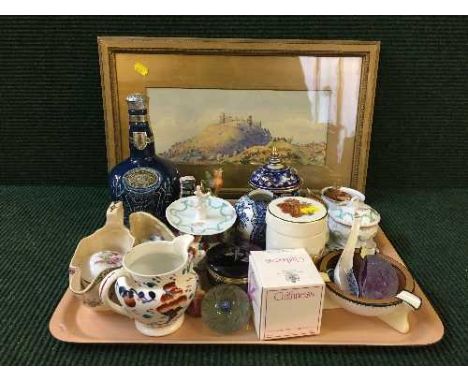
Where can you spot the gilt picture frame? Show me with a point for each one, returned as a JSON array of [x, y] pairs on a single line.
[[224, 103]]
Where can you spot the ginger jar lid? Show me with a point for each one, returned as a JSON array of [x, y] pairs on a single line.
[[297, 209], [275, 176], [345, 215]]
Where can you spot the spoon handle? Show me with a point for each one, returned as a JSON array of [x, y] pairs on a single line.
[[411, 299], [348, 251]]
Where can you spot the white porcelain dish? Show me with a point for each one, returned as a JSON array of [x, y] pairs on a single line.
[[365, 306], [331, 202], [340, 220], [297, 222]]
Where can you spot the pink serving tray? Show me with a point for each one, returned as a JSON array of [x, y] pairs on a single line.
[[73, 322]]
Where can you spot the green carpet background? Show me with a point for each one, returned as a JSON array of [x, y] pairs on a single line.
[[53, 174]]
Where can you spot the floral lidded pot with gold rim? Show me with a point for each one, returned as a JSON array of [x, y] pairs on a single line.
[[297, 222]]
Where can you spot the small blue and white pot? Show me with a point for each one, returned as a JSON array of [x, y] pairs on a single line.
[[276, 177], [251, 212]]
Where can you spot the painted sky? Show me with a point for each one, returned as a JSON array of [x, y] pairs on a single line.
[[178, 114]]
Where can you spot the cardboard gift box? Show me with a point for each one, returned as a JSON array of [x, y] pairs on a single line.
[[287, 293]]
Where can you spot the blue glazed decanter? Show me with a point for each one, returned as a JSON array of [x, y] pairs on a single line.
[[144, 181]]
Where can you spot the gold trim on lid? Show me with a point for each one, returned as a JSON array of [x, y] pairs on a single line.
[[275, 162], [226, 280]]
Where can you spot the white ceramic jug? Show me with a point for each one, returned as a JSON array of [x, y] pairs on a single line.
[[154, 286]]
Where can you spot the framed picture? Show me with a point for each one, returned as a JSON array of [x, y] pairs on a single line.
[[225, 103]]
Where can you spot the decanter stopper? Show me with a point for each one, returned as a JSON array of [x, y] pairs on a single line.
[[137, 101]]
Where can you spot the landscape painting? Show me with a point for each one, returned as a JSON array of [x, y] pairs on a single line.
[[239, 127]]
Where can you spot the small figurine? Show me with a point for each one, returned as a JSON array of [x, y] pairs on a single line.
[[202, 203], [215, 181]]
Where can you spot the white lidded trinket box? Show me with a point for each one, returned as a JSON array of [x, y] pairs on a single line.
[[297, 222], [286, 292]]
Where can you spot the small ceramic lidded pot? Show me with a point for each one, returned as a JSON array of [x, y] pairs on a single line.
[[276, 177], [251, 212], [341, 219], [154, 286], [97, 255], [229, 263], [339, 196], [297, 222]]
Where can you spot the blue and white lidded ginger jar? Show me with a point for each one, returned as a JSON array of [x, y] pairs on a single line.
[[251, 211], [276, 177]]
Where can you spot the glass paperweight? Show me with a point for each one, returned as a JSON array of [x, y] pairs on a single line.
[[225, 309]]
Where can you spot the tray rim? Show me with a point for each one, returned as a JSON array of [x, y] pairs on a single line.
[[59, 312]]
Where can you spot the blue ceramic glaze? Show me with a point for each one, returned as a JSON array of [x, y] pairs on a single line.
[[251, 213], [275, 176], [144, 181]]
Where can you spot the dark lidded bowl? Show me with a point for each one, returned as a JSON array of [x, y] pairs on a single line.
[[229, 263]]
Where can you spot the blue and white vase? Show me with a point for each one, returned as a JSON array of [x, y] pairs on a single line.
[[276, 177], [251, 212]]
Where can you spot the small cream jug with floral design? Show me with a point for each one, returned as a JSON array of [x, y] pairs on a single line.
[[154, 286], [98, 254]]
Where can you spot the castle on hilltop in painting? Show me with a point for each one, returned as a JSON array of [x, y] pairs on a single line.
[[193, 126], [242, 141]]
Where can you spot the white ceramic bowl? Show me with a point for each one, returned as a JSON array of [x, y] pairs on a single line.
[[340, 220], [366, 306]]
